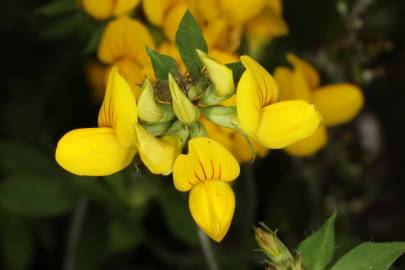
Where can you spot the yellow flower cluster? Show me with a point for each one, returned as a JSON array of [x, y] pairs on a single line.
[[159, 131]]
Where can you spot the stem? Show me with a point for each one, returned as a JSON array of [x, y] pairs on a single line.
[[75, 231], [251, 192], [207, 250]]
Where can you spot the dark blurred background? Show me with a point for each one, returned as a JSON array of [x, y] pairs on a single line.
[[134, 221]]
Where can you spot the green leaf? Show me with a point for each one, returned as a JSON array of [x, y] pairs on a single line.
[[189, 38], [162, 64], [375, 256], [317, 249], [237, 70], [177, 216], [34, 195], [94, 40], [17, 245], [58, 8]]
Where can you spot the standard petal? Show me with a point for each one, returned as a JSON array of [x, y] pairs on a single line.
[[206, 160], [287, 122], [239, 11], [119, 110], [99, 9], [92, 152], [309, 72], [310, 145], [212, 204], [155, 10], [292, 84], [338, 103], [266, 89], [125, 6], [157, 154], [125, 37]]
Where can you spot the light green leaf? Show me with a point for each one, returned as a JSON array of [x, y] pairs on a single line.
[[317, 249], [162, 64], [371, 256], [35, 195], [189, 38]]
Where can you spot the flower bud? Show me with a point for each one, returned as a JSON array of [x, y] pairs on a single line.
[[157, 154], [185, 111], [220, 75], [148, 110], [224, 116], [272, 246], [198, 130]]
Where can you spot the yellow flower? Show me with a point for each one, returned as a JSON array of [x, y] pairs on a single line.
[[337, 103], [206, 171], [110, 147], [271, 123], [103, 9], [158, 155], [123, 45], [267, 25]]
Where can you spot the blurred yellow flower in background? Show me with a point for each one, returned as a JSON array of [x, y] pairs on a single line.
[[337, 103], [104, 9]]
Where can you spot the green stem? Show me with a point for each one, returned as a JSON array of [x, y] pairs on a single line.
[[207, 250], [75, 231]]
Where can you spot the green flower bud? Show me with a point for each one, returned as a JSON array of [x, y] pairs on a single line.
[[224, 116], [220, 75], [148, 110], [198, 130], [185, 111]]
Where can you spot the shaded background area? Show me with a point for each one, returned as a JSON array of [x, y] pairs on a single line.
[[135, 221]]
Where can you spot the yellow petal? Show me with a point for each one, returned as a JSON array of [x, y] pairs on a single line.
[[172, 20], [185, 111], [310, 145], [338, 103], [132, 72], [214, 32], [207, 10], [125, 37], [124, 6], [99, 9], [263, 28], [212, 204], [155, 10], [119, 110], [220, 75], [206, 160], [309, 71], [222, 56], [286, 122], [256, 89], [276, 6], [92, 152], [292, 84], [239, 11], [158, 155], [96, 76]]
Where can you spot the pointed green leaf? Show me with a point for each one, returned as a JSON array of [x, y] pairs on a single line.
[[56, 8], [375, 256], [317, 249], [162, 64], [189, 38]]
